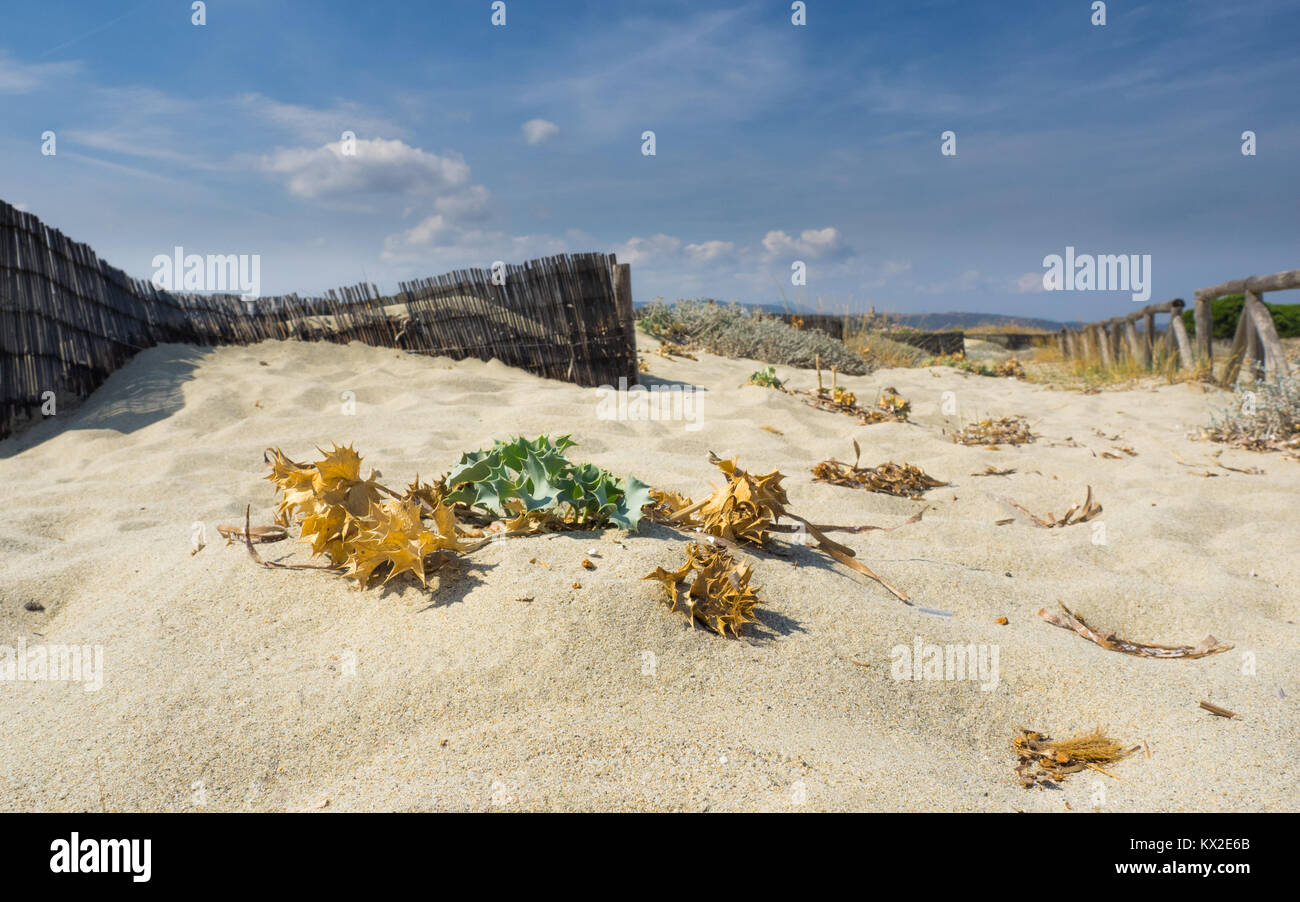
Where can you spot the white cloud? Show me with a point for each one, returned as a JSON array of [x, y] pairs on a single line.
[[378, 167], [710, 251], [812, 244], [314, 125], [896, 267], [538, 130], [24, 78], [1030, 282], [641, 250]]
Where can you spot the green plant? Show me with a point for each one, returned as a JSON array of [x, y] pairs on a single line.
[[522, 478], [1226, 311], [765, 377]]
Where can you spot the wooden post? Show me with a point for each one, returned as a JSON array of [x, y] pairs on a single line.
[[1149, 336], [1204, 329], [1178, 335], [1103, 344], [1135, 346], [1240, 343], [1275, 361]]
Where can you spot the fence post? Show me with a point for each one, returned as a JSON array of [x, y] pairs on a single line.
[[1266, 332], [1204, 328], [1179, 332]]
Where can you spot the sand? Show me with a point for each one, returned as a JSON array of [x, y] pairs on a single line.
[[231, 687]]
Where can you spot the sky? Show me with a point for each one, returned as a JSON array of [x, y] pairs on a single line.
[[775, 143]]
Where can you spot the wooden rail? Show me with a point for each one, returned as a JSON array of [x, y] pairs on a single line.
[[1256, 339], [1114, 339], [1256, 336]]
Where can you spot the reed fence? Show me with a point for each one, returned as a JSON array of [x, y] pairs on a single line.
[[69, 319]]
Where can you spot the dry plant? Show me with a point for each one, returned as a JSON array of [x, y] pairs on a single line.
[[1265, 417], [1109, 641], [903, 480], [1044, 761], [1078, 513], [741, 512], [718, 593], [990, 433]]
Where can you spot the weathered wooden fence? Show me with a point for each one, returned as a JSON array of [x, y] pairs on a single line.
[[1117, 338], [1256, 338], [68, 319]]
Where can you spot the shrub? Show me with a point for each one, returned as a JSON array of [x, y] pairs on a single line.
[[730, 330], [1226, 311], [1264, 417]]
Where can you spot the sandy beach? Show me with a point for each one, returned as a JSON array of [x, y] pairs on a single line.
[[229, 687]]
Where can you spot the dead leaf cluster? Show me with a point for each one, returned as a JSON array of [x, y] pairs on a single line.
[[902, 480], [991, 433], [716, 592], [1078, 513]]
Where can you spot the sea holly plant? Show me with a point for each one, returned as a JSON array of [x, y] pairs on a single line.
[[366, 531], [532, 482]]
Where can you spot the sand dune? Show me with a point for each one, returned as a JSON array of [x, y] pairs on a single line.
[[230, 687]]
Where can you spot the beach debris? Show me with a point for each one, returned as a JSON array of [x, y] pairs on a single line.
[[1262, 417], [991, 470], [1218, 711], [990, 433], [1044, 761], [766, 378], [902, 480], [718, 593], [741, 512], [772, 429], [1109, 641], [533, 560], [1005, 522], [587, 564], [1078, 513], [33, 606], [1001, 621], [259, 534]]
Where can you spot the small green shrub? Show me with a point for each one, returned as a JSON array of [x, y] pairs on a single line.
[[523, 477], [1226, 311]]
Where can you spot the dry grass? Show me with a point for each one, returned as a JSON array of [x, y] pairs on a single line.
[[883, 351]]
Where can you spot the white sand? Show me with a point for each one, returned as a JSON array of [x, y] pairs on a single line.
[[228, 687]]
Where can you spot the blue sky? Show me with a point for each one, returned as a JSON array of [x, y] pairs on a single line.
[[774, 143]]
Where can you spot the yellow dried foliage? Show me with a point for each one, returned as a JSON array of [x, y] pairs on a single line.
[[741, 510], [717, 594], [990, 433], [341, 516]]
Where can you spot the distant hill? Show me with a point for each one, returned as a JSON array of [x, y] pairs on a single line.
[[944, 322]]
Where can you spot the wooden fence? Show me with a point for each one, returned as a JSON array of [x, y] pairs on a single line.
[[1118, 338], [1256, 337], [68, 319]]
